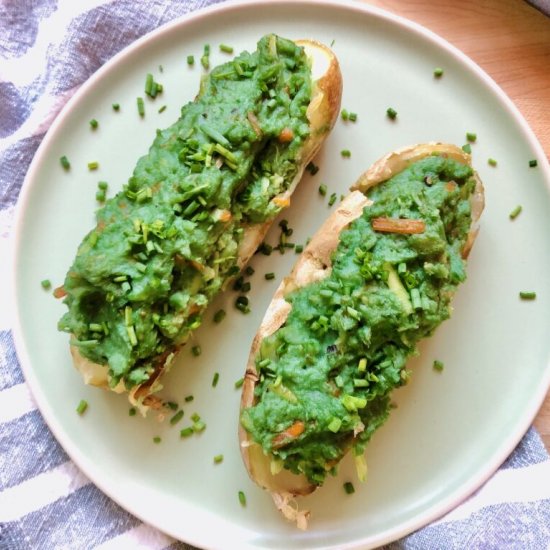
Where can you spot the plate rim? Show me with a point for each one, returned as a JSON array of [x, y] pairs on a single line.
[[406, 25]]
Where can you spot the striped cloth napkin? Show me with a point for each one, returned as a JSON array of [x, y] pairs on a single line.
[[48, 49]]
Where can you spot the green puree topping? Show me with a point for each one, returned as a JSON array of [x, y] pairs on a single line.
[[165, 245], [328, 372]]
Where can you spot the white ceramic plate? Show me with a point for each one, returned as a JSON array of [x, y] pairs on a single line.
[[451, 429]]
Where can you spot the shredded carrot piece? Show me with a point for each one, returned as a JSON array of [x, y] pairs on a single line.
[[292, 432], [398, 225], [225, 216], [60, 292], [286, 135], [282, 202], [450, 186]]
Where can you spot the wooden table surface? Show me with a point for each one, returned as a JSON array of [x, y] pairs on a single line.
[[510, 40]]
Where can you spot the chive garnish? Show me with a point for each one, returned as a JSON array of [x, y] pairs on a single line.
[[346, 153], [471, 137], [65, 162], [241, 303], [527, 295], [116, 106], [215, 379], [344, 114], [438, 365], [132, 411], [312, 168], [299, 248], [189, 398], [162, 109], [176, 418], [82, 406], [249, 271], [391, 112], [322, 189], [157, 439], [186, 432], [269, 276], [218, 459], [172, 405], [94, 165], [100, 196], [332, 199], [219, 316], [149, 83], [225, 48], [242, 498], [102, 185], [140, 106], [438, 72], [198, 426], [533, 163], [353, 117], [239, 383], [205, 59], [196, 350], [190, 59], [467, 148], [515, 212], [46, 284], [94, 123], [349, 488], [492, 162]]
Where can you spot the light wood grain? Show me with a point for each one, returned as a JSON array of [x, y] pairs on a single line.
[[510, 40]]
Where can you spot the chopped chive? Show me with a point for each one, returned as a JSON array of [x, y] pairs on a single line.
[[205, 59], [265, 249], [322, 189], [344, 114], [65, 162], [172, 405], [242, 498], [332, 199], [116, 106], [299, 248], [94, 123], [176, 418], [312, 168], [161, 68], [196, 350], [225, 48], [533, 163], [349, 488], [215, 379], [362, 366], [186, 432], [162, 109], [190, 59], [391, 112], [249, 271], [93, 165], [471, 136], [102, 185], [239, 383], [219, 316], [241, 303], [132, 411], [189, 398], [438, 72], [246, 287], [467, 148], [346, 153], [515, 212], [218, 459], [353, 117], [269, 276], [149, 83], [46, 284], [157, 439], [140, 106], [100, 196], [492, 162], [82, 406], [524, 295], [438, 365], [199, 426], [334, 425]]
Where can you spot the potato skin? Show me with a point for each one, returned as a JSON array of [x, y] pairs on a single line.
[[314, 265], [322, 114]]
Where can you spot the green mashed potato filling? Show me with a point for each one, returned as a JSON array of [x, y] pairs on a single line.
[[327, 374], [167, 243]]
